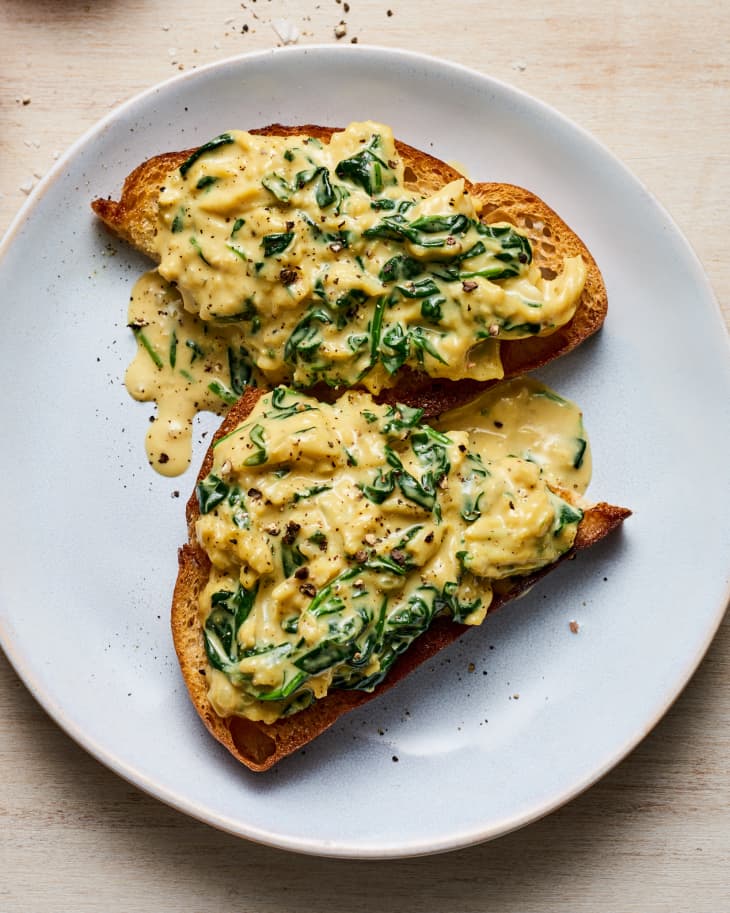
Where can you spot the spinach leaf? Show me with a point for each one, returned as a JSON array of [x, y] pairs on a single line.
[[277, 242], [470, 511], [210, 491], [291, 558], [240, 367], [206, 181], [305, 339], [448, 601], [148, 347], [196, 349], [400, 267], [380, 488], [257, 439], [178, 223], [284, 409], [401, 418], [196, 244], [327, 654], [566, 515], [223, 140], [421, 341], [276, 185], [221, 390], [173, 349], [455, 224], [394, 348], [310, 492], [365, 169], [431, 308]]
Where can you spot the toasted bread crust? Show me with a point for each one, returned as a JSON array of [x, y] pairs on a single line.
[[257, 745], [134, 218]]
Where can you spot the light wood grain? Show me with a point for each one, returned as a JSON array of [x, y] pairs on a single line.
[[651, 79]]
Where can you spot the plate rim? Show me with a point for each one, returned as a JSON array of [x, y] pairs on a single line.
[[316, 846]]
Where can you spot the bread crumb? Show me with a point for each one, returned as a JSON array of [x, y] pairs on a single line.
[[340, 29], [574, 627], [286, 30], [25, 100], [519, 65], [471, 667], [27, 186]]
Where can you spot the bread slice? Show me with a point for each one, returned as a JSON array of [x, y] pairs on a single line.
[[257, 745], [134, 218]]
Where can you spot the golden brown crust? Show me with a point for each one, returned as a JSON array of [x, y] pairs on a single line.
[[260, 746], [134, 218]]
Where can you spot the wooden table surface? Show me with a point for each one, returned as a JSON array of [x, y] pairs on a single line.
[[651, 79]]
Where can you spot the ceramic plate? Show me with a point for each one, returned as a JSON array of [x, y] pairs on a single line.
[[522, 714]]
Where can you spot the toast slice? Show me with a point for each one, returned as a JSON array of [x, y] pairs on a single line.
[[257, 745], [134, 218]]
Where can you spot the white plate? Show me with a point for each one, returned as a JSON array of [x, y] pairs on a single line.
[[90, 533]]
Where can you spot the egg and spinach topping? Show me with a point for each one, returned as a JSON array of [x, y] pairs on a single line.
[[337, 272], [337, 533]]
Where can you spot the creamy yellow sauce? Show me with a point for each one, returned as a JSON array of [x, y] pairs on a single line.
[[338, 532], [290, 260], [184, 365], [338, 273], [526, 419]]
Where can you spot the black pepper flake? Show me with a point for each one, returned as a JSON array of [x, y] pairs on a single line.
[[499, 424], [301, 573], [164, 458], [361, 556], [522, 258], [292, 529], [254, 494], [395, 758], [429, 538], [308, 589], [288, 276], [462, 448], [398, 556]]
